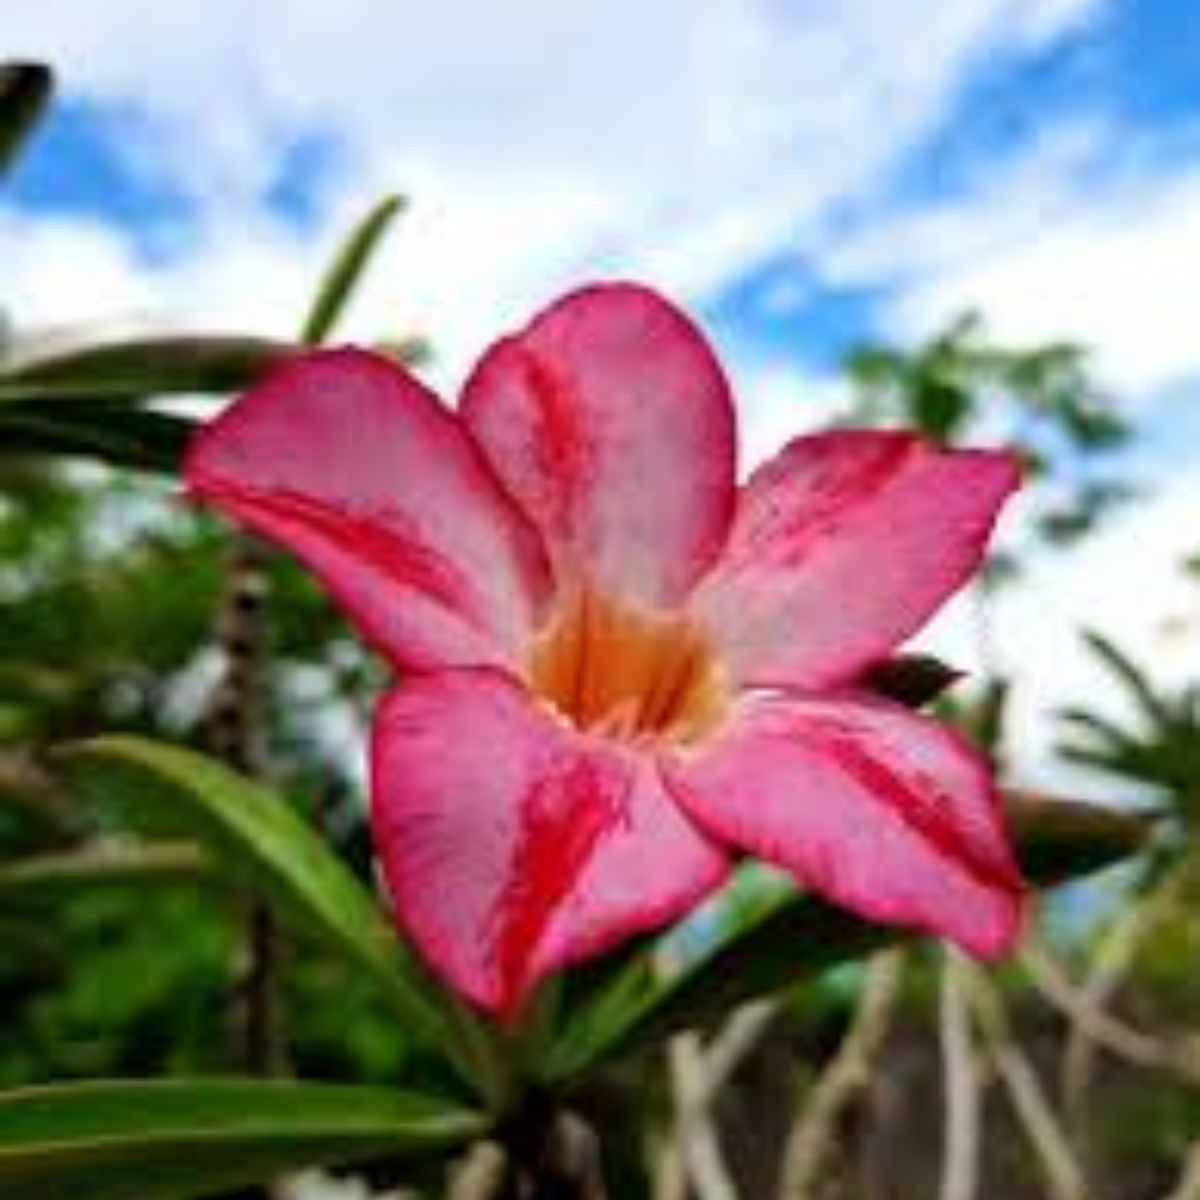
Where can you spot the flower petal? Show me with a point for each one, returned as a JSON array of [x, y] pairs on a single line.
[[884, 812], [513, 845], [611, 423], [842, 547], [351, 464]]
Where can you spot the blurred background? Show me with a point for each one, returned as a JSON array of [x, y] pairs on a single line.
[[978, 218]]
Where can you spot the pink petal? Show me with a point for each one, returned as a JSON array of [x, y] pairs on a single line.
[[611, 422], [882, 811], [513, 845], [352, 465], [842, 547]]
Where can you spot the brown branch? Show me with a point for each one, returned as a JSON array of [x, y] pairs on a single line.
[[480, 1175], [23, 782], [1062, 1172], [961, 1087], [670, 1179], [1140, 1049], [693, 1150], [1113, 960], [1187, 1187], [718, 1064], [232, 708], [847, 1074], [737, 1038], [230, 732]]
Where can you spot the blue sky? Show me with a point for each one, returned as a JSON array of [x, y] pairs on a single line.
[[78, 166], [801, 175], [1134, 66]]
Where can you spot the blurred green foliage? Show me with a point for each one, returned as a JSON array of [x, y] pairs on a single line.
[[106, 616]]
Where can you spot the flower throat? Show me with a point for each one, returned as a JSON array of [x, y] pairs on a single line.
[[626, 672]]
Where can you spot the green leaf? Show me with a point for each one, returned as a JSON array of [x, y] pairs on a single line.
[[25, 91], [145, 368], [1127, 672], [940, 408], [343, 276], [913, 680], [110, 432], [1059, 840], [258, 835], [175, 1139], [795, 935], [44, 876]]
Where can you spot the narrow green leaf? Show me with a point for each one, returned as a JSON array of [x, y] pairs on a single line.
[[111, 433], [168, 1140], [258, 835], [145, 368], [347, 269], [1059, 839], [42, 876], [1136, 682], [641, 1002], [913, 680], [25, 91]]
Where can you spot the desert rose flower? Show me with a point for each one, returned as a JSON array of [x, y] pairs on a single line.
[[616, 669]]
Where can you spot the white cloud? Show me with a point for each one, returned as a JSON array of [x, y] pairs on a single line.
[[1079, 235], [1053, 19], [1116, 273], [56, 269], [1009, 200], [542, 141]]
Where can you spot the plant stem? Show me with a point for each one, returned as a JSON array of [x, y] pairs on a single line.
[[1061, 1170], [1101, 1027], [1188, 1185], [694, 1149], [1113, 959], [961, 1087], [813, 1134], [231, 731]]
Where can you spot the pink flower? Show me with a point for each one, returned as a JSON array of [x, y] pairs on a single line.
[[618, 669]]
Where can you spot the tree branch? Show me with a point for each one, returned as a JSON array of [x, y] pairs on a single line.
[[1063, 1175], [480, 1174], [1188, 1185], [1137, 1048], [1112, 962], [230, 726], [693, 1150], [961, 1087], [846, 1075]]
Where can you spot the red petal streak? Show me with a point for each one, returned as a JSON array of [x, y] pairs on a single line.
[[513, 845], [564, 815], [650, 867], [842, 547], [883, 811], [394, 549], [353, 466], [920, 801], [559, 442], [610, 422]]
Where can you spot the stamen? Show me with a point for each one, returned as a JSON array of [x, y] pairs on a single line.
[[627, 672]]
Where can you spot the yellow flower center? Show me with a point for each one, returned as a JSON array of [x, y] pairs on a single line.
[[627, 672]]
